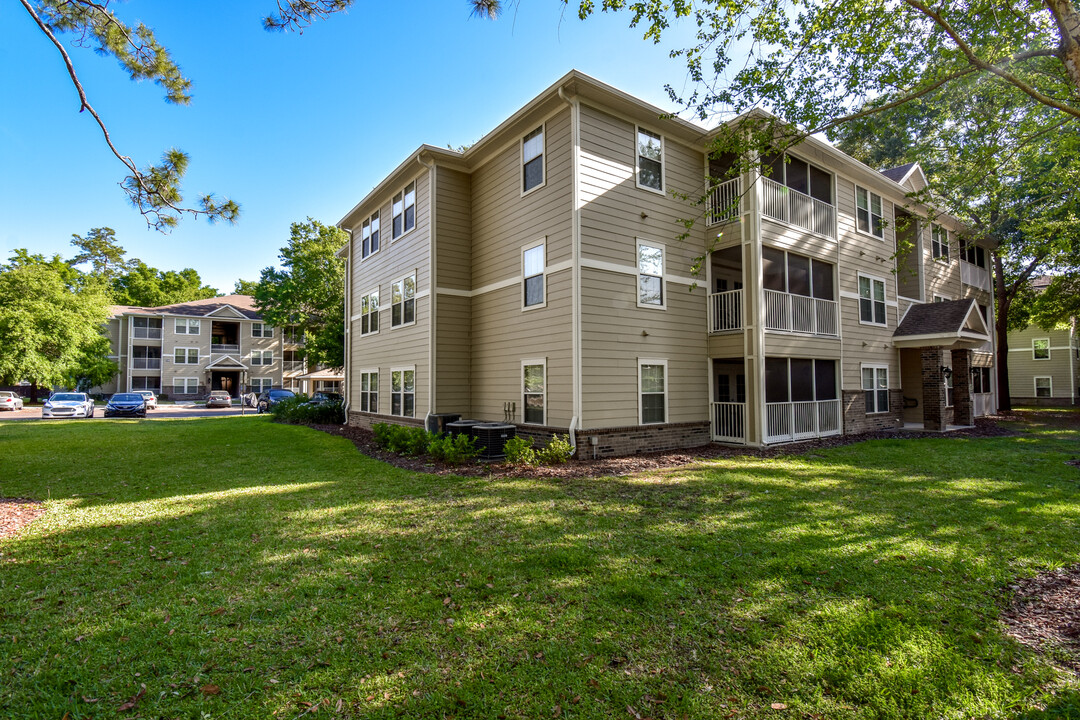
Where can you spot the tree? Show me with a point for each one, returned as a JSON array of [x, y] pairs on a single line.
[[309, 291], [145, 286], [245, 287], [51, 323], [99, 248]]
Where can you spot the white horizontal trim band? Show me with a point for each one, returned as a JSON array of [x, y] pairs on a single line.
[[631, 270], [502, 284]]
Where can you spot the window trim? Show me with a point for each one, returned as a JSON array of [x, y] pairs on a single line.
[[870, 211], [377, 215], [543, 160], [946, 256], [187, 326], [375, 372], [542, 361], [1034, 356], [641, 406], [198, 356], [663, 274], [663, 161], [261, 354], [940, 298], [885, 299], [402, 369], [404, 207], [875, 367], [402, 280], [542, 244], [268, 382], [1035, 385], [376, 312], [263, 329], [185, 379]]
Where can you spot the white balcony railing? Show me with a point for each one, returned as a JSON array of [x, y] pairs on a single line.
[[224, 348], [786, 421], [723, 203], [292, 366], [974, 276], [725, 311], [147, 333], [729, 422], [146, 363], [788, 312], [780, 202]]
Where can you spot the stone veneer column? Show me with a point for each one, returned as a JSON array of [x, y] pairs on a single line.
[[963, 410], [933, 388]]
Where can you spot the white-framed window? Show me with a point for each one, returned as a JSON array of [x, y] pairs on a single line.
[[404, 211], [869, 213], [369, 313], [650, 276], [1040, 349], [369, 391], [939, 242], [652, 390], [872, 300], [261, 330], [534, 391], [186, 326], [185, 385], [972, 253], [942, 298], [151, 382], [1044, 387], [950, 388], [259, 385], [650, 160], [980, 380], [403, 391], [875, 385], [262, 357], [294, 336], [403, 301], [533, 279], [369, 236], [186, 356], [532, 160]]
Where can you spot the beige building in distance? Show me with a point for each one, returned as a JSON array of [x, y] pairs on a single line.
[[537, 278], [1044, 365]]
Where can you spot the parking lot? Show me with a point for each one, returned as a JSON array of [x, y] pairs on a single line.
[[187, 410]]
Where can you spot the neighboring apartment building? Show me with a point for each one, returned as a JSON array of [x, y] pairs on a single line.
[[1044, 365], [537, 278], [188, 349]]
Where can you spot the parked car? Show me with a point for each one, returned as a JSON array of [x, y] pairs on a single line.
[[324, 398], [219, 399], [126, 405], [272, 397], [10, 401], [149, 397], [68, 405]]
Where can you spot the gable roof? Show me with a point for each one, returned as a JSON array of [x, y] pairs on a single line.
[[237, 305], [952, 323]]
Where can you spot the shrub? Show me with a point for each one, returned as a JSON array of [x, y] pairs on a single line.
[[402, 439], [519, 451], [297, 410], [556, 452], [453, 449]]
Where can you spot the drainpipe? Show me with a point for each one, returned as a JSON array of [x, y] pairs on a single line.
[[430, 165], [575, 259], [348, 332]]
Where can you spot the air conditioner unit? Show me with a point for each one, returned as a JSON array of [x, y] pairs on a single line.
[[492, 437]]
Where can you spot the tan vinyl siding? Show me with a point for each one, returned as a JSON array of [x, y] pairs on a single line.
[[1024, 368], [453, 248], [800, 346], [453, 322], [453, 355]]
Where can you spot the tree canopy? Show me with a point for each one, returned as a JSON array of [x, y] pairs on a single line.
[[146, 286], [308, 292]]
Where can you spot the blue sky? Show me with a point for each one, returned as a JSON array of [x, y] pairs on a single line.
[[288, 125]]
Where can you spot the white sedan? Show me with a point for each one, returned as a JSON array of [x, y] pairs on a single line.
[[68, 405], [10, 401]]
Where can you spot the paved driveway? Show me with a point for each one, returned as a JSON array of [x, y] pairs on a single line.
[[163, 411]]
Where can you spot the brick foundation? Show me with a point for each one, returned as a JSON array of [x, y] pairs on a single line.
[[366, 420], [635, 439], [857, 421], [1042, 401]]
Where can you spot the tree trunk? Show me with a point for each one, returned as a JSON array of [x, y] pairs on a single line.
[[33, 392], [1001, 327], [1067, 19]]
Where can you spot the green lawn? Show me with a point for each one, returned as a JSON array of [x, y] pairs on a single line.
[[242, 569]]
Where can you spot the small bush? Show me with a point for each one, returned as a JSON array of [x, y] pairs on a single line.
[[519, 451], [402, 439], [556, 452], [453, 449], [296, 410]]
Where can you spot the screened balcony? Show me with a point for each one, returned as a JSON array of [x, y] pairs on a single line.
[[725, 306], [801, 399], [798, 193], [728, 409], [800, 294]]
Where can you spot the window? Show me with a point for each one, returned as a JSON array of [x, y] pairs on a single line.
[[972, 253], [146, 358], [650, 263], [1044, 387], [534, 390], [369, 236], [950, 389], [532, 273], [404, 211], [403, 301], [650, 160], [798, 175], [652, 386], [262, 357], [875, 385], [942, 298], [939, 243], [146, 383], [261, 330], [147, 328], [186, 326], [258, 385], [980, 380], [402, 392], [868, 213], [799, 380], [532, 160], [1040, 348], [369, 313], [185, 386], [796, 274], [294, 336], [369, 391], [186, 356], [872, 300]]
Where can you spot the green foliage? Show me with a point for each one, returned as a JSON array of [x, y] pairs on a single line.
[[145, 286], [403, 439], [308, 293], [519, 451], [453, 449], [99, 248], [245, 287], [298, 410]]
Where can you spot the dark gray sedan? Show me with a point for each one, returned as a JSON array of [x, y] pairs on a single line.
[[126, 405]]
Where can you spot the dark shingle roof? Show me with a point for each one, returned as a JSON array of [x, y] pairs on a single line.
[[934, 318], [897, 174], [244, 304]]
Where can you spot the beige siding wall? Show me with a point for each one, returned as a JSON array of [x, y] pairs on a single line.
[[453, 321], [1024, 368]]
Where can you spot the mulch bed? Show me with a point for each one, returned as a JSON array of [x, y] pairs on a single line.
[[16, 513], [1044, 614], [364, 441]]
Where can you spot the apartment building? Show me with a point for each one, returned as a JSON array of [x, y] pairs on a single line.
[[1044, 365], [186, 350], [538, 278]]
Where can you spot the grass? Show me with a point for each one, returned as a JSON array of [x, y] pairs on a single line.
[[243, 569]]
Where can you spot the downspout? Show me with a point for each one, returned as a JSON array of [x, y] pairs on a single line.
[[1072, 358], [348, 333], [575, 270], [430, 165]]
